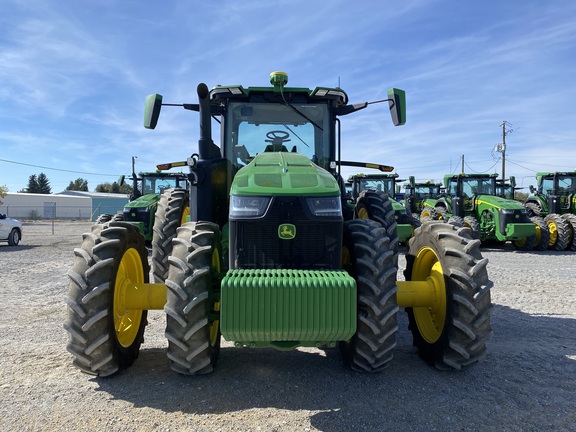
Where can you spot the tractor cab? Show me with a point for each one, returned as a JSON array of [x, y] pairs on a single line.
[[418, 195], [558, 190], [506, 189], [464, 190]]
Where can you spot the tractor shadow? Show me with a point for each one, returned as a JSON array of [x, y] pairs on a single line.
[[5, 247], [529, 361]]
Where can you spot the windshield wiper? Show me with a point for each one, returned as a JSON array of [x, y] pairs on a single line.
[[296, 110]]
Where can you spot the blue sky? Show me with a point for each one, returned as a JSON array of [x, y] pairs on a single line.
[[74, 76]]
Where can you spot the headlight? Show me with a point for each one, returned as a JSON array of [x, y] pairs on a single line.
[[248, 206], [508, 211], [325, 206]]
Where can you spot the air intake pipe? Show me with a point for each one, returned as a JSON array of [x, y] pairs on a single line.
[[206, 147]]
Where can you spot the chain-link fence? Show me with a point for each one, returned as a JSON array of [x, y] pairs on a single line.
[[54, 211]]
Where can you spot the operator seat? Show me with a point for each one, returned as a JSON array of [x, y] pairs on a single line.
[[275, 148]]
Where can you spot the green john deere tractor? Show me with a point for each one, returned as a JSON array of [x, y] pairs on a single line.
[[471, 201], [147, 188], [420, 198], [382, 184], [269, 257], [554, 198]]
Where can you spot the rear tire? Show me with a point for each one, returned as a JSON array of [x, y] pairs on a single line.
[[104, 337], [192, 330], [559, 232], [372, 262], [453, 333], [571, 219], [103, 218], [172, 211]]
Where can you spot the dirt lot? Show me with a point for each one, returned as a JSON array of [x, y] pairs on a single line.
[[526, 382]]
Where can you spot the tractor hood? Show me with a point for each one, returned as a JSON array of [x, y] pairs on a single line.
[[499, 202], [283, 173], [144, 201]]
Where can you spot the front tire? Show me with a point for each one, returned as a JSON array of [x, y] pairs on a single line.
[[104, 336], [453, 333], [428, 214], [172, 211], [542, 233], [377, 206], [371, 260], [192, 326], [14, 237]]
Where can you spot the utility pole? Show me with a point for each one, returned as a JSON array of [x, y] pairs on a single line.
[[462, 165], [502, 147]]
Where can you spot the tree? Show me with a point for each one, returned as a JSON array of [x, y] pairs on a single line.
[[32, 185], [44, 184], [79, 184], [3, 192], [114, 188], [38, 184]]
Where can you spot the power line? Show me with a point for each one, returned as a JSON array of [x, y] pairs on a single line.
[[57, 169], [483, 171]]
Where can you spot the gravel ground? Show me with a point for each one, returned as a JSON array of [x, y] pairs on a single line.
[[526, 382]]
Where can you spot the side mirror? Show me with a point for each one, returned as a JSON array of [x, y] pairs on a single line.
[[397, 104], [121, 180], [152, 110], [513, 181], [532, 189]]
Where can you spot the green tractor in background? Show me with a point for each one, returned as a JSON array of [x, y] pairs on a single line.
[[148, 188], [554, 199], [506, 189], [363, 186], [270, 257], [420, 199], [471, 201]]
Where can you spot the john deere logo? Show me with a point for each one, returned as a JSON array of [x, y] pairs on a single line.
[[286, 231]]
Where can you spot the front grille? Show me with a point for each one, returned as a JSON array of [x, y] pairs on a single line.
[[255, 243]]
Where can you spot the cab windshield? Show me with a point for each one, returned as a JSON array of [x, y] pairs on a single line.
[[382, 185], [253, 128], [156, 185]]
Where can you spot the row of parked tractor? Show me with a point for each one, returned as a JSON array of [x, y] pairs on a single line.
[[545, 220]]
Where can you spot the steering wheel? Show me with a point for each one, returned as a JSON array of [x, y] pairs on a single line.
[[275, 135]]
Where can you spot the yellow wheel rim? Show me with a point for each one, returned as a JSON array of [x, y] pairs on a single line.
[[215, 325], [553, 233], [521, 242], [346, 259], [185, 214], [538, 234], [363, 213], [430, 320], [127, 322]]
